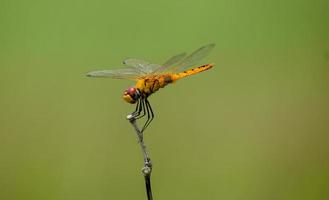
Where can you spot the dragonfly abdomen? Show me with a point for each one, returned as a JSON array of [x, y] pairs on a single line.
[[191, 71]]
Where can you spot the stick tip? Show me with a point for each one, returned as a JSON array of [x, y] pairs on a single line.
[[130, 117], [146, 170]]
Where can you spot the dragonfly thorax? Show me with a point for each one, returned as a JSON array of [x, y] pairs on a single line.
[[131, 95]]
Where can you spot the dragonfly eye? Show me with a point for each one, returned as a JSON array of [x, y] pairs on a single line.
[[131, 95]]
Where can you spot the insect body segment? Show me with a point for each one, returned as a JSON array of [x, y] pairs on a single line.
[[151, 84], [151, 77], [192, 71]]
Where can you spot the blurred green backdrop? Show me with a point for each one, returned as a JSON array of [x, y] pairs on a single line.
[[254, 127]]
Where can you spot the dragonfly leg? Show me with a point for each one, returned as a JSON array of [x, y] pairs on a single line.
[[148, 117], [150, 114], [135, 113], [138, 110], [142, 108]]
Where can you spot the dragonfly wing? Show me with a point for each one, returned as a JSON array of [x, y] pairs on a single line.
[[126, 73], [194, 58], [137, 68], [142, 66], [173, 60], [170, 62]]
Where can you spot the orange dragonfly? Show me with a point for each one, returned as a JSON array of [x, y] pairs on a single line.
[[151, 77]]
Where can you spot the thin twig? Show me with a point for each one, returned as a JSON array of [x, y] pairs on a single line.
[[147, 169]]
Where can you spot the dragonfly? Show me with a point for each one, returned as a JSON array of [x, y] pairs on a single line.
[[150, 77]]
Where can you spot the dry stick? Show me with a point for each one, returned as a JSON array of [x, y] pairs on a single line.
[[147, 169]]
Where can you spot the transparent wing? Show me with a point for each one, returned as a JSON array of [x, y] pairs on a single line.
[[173, 60], [192, 59], [196, 56], [137, 68], [170, 62], [125, 73], [142, 66]]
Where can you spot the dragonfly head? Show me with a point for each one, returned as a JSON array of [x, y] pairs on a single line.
[[131, 95]]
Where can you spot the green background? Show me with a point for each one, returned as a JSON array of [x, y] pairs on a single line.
[[256, 126]]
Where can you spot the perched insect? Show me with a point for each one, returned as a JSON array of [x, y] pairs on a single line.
[[151, 77]]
